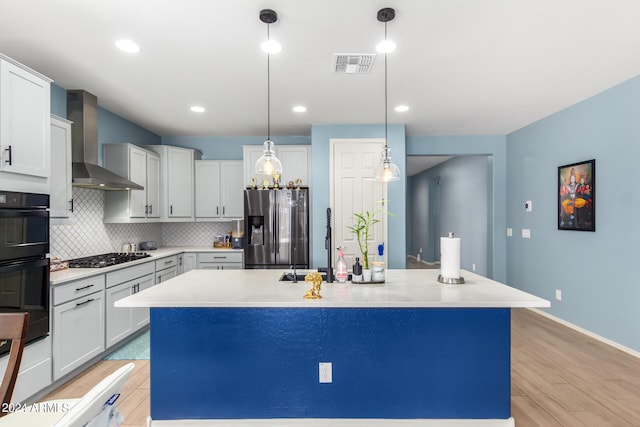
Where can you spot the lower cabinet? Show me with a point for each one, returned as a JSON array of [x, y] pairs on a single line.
[[189, 261], [122, 322], [166, 268], [220, 261], [78, 324], [35, 369]]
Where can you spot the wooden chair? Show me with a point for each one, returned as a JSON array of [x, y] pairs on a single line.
[[13, 326]]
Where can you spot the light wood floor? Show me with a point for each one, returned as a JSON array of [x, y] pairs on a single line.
[[559, 377]]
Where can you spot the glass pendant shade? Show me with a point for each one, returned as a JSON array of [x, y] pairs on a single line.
[[268, 163], [386, 170]]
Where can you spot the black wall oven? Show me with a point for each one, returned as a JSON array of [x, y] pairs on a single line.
[[24, 265]]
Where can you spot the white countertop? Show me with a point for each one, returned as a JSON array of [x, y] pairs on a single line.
[[63, 276], [261, 288]]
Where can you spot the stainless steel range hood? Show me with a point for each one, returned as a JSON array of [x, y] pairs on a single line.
[[82, 109]]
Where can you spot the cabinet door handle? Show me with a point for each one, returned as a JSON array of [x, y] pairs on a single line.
[[84, 287], [217, 210], [219, 257], [9, 160], [71, 205], [171, 210], [150, 209], [168, 262], [223, 210], [83, 303], [146, 209]]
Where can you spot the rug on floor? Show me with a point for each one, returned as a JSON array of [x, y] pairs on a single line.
[[138, 349]]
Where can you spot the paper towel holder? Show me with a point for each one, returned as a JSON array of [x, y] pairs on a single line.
[[450, 280]]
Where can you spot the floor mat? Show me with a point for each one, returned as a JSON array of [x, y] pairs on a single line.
[[138, 349]]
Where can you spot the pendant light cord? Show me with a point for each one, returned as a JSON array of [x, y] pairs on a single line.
[[385, 94], [268, 89]]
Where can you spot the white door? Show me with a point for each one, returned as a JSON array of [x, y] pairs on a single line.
[[60, 180], [232, 189], [208, 189], [137, 174], [180, 183], [353, 190], [153, 186]]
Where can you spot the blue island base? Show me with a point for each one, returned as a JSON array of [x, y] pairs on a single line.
[[238, 365]]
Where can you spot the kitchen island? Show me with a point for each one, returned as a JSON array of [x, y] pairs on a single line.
[[235, 348]]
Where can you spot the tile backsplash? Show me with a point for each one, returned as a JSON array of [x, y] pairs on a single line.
[[88, 235]]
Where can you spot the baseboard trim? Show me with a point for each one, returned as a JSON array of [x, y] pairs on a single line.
[[588, 333], [346, 422]]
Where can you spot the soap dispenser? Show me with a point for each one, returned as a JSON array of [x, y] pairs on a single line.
[[341, 267], [357, 271]]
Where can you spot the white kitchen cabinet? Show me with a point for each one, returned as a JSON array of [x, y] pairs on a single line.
[[35, 369], [60, 182], [25, 107], [176, 182], [78, 327], [219, 189], [166, 268], [122, 322], [296, 163], [140, 166], [220, 260], [189, 261]]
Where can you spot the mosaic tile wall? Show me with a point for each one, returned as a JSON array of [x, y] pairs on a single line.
[[88, 235]]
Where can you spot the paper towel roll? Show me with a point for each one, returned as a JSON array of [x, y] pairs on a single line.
[[450, 257]]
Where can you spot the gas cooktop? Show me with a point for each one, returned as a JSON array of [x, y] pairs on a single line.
[[105, 260]]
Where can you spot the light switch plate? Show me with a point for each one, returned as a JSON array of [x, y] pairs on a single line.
[[526, 233], [509, 232]]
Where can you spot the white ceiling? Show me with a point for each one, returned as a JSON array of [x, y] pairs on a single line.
[[464, 67]]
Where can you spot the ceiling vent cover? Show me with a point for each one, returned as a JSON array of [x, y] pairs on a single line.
[[353, 63]]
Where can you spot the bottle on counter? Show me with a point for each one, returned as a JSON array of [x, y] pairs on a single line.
[[356, 275], [341, 267]]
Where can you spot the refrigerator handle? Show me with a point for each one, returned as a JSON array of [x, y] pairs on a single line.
[[276, 237]]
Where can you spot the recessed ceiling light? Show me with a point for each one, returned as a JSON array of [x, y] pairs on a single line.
[[402, 108], [299, 108], [271, 46], [386, 46], [197, 109], [128, 46]]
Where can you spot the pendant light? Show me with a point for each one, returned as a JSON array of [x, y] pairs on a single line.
[[268, 164], [386, 171]]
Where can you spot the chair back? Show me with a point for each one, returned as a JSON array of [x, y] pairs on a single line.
[[89, 408], [13, 326]]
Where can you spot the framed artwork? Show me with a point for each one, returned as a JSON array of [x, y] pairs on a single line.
[[577, 196]]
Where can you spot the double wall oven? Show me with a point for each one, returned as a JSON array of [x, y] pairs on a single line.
[[24, 262]]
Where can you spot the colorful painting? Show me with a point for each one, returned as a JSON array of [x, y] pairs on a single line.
[[577, 196]]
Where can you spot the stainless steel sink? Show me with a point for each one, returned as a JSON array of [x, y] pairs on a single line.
[[288, 277]]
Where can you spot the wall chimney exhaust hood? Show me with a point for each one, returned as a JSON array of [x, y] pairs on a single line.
[[82, 109]]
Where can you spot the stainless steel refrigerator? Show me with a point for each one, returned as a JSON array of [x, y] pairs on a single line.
[[276, 228]]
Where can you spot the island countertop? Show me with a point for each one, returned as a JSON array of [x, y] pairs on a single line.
[[261, 288]]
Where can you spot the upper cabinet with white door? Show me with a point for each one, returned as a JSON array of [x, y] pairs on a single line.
[[296, 162], [176, 182], [25, 107], [219, 190], [60, 182], [140, 166]]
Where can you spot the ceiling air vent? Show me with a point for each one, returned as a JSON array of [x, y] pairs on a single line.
[[353, 63]]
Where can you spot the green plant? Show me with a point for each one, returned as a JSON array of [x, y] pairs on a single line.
[[362, 228]]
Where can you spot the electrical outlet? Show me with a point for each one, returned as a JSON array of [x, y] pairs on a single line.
[[526, 233], [509, 232], [325, 372], [528, 206], [558, 294], [473, 267]]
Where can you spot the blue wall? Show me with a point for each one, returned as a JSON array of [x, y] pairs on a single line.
[[592, 269], [465, 208], [228, 147], [494, 146], [320, 137]]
